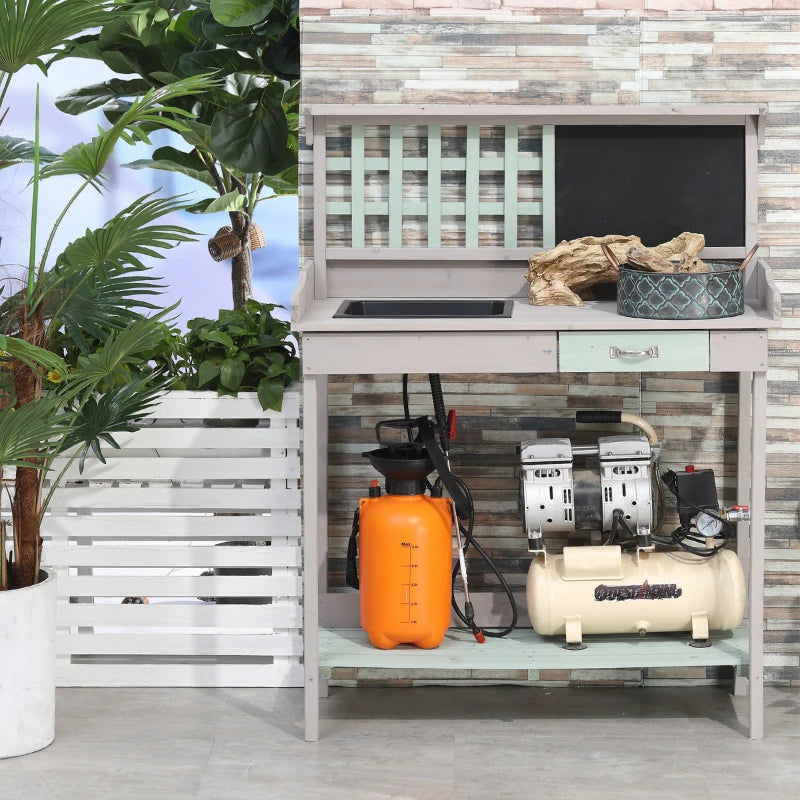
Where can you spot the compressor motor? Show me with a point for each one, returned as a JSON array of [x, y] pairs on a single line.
[[599, 588], [557, 497]]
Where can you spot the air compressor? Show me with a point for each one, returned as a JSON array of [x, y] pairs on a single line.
[[621, 585]]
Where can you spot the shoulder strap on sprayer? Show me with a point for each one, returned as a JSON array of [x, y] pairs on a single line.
[[351, 573], [428, 437]]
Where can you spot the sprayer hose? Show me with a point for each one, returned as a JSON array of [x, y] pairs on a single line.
[[469, 541]]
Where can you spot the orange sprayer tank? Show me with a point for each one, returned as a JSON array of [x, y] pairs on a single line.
[[405, 559], [405, 550]]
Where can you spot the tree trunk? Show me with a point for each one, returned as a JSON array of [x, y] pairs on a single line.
[[25, 506], [241, 265], [26, 526]]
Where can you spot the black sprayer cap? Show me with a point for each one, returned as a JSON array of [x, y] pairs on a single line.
[[405, 467]]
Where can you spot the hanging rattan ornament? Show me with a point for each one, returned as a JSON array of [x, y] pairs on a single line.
[[224, 244], [257, 239]]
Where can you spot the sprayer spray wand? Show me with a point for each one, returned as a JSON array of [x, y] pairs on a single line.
[[444, 427], [469, 611]]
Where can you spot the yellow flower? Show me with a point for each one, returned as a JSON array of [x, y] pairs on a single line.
[[54, 377]]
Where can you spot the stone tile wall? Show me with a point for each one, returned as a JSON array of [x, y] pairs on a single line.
[[319, 8], [584, 57]]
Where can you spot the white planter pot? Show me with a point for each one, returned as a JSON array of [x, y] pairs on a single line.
[[27, 667]]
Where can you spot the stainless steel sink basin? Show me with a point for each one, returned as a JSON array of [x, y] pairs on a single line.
[[423, 309]]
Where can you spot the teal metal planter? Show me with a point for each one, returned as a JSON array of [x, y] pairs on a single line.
[[680, 295]]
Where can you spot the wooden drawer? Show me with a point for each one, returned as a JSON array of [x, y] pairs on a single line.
[[639, 351], [450, 351]]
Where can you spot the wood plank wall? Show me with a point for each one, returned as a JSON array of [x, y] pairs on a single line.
[[588, 57]]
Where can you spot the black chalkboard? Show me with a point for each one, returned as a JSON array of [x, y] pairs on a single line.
[[653, 181]]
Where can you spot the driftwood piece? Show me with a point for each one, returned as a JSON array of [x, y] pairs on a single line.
[[557, 276], [567, 273]]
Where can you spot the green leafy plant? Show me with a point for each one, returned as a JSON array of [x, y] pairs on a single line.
[[242, 138], [243, 350], [32, 30], [97, 287], [162, 354]]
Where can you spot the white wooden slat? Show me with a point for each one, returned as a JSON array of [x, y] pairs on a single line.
[[180, 675], [159, 497], [182, 641], [180, 615], [179, 585], [171, 644], [206, 405], [155, 556], [180, 438], [182, 469], [164, 526]]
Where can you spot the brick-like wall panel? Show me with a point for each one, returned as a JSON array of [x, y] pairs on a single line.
[[586, 57], [318, 8]]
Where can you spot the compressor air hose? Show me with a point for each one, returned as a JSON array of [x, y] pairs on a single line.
[[465, 507]]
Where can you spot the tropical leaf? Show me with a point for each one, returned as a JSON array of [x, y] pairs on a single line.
[[217, 336], [16, 151], [282, 184], [171, 159], [207, 371], [32, 356], [232, 201], [238, 13], [282, 57], [32, 432], [292, 10], [217, 61], [127, 236], [115, 411], [30, 30], [197, 134], [243, 38], [98, 94], [243, 84], [120, 62], [119, 351], [270, 393], [231, 372], [252, 136], [99, 280], [150, 111]]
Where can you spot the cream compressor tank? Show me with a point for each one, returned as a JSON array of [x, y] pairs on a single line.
[[603, 589]]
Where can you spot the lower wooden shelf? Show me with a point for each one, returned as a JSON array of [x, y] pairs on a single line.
[[525, 649]]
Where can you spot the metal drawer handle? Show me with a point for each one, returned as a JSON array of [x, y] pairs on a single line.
[[616, 352]]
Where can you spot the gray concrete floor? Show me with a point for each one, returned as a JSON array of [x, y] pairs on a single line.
[[431, 743]]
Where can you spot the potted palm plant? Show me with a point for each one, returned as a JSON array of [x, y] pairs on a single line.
[[97, 289]]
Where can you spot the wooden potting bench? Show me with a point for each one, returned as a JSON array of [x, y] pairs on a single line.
[[531, 340]]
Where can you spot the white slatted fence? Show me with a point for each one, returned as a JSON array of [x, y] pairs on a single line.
[[150, 522]]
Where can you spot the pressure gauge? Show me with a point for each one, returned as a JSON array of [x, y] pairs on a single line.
[[707, 525]]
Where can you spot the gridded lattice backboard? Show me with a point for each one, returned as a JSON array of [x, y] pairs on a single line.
[[439, 186]]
